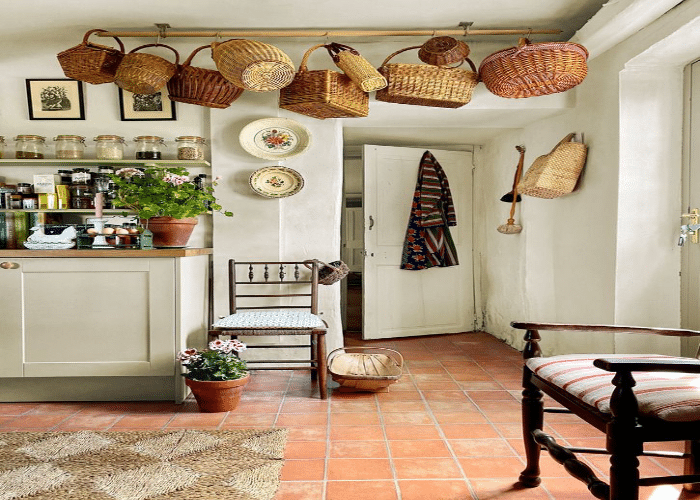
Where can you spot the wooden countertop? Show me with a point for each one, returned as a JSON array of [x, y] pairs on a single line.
[[155, 253]]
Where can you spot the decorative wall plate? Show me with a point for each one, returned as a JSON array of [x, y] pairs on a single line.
[[276, 182], [275, 138]]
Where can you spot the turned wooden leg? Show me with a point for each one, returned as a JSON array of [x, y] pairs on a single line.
[[692, 464], [622, 444], [322, 368], [314, 356], [532, 419]]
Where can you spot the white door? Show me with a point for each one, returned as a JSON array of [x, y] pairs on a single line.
[[690, 252], [351, 251], [397, 302]]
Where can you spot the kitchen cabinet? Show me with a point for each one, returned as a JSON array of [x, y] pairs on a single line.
[[99, 325]]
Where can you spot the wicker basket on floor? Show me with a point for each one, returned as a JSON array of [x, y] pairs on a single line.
[[204, 87], [323, 93], [534, 69], [90, 62], [365, 368], [145, 73], [427, 85]]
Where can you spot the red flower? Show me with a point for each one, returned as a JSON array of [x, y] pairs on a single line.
[[408, 266], [416, 248]]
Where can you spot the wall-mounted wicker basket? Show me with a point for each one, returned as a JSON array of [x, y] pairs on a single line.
[[90, 62], [253, 65], [145, 73]]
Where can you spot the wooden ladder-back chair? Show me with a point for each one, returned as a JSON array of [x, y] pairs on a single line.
[[277, 298], [633, 399]]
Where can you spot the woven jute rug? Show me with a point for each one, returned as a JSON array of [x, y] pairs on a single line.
[[143, 465]]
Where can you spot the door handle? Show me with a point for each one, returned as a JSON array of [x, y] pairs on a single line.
[[690, 228], [371, 223]]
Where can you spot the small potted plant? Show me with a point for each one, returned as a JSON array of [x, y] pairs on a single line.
[[216, 375], [166, 200]]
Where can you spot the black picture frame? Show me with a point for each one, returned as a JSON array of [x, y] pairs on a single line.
[[142, 107], [55, 99]]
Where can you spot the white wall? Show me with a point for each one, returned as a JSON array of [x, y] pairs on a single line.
[[574, 262]]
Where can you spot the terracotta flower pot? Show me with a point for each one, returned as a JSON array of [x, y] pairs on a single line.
[[217, 396], [169, 232]]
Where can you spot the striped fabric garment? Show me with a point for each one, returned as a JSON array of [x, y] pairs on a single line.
[[674, 397], [428, 242]]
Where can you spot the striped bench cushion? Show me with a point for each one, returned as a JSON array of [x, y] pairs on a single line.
[[271, 320], [673, 397]]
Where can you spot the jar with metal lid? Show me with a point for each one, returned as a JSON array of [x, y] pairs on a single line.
[[24, 188], [109, 147], [70, 147], [29, 146], [80, 175], [148, 147], [66, 176], [2, 146], [81, 196], [190, 147]]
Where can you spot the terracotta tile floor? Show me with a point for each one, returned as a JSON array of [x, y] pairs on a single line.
[[448, 430]]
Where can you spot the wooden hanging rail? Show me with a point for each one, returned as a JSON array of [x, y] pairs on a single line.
[[225, 33]]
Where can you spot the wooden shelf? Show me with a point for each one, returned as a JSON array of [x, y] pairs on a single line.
[[95, 162], [114, 211]]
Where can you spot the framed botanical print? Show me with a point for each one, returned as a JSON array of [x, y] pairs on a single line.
[[138, 107], [57, 99]]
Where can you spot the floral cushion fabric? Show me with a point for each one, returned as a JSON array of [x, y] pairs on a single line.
[[670, 396], [271, 319]]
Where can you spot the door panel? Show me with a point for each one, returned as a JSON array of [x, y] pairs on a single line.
[[398, 302]]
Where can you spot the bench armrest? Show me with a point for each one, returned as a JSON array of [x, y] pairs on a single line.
[[674, 332], [689, 365]]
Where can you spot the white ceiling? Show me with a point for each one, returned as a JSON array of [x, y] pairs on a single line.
[[25, 24]]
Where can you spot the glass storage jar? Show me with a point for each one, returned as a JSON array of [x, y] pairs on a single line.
[[80, 175], [29, 146], [109, 147], [148, 147], [81, 196], [70, 147], [190, 147]]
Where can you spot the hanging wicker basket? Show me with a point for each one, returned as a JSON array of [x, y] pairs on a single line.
[[442, 51], [90, 62], [534, 69], [323, 93], [427, 85], [145, 73], [253, 65], [365, 368], [204, 87], [356, 67], [332, 272]]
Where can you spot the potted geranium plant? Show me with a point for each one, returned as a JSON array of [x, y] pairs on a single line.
[[215, 375], [166, 200]]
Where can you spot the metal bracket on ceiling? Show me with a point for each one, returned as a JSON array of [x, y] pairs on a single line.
[[466, 25], [162, 30]]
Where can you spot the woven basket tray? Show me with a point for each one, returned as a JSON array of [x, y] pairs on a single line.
[[145, 73], [253, 65], [90, 62], [427, 85], [365, 368], [323, 93], [205, 87], [534, 69], [443, 50]]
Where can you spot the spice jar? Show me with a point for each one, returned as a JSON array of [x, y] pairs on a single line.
[[190, 147], [24, 188], [2, 146], [29, 146], [81, 196], [70, 147], [109, 147], [80, 175], [66, 176], [148, 147]]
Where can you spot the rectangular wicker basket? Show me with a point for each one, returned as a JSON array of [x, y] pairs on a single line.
[[323, 94]]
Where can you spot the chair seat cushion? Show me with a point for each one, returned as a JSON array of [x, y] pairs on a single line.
[[271, 320], [674, 397]]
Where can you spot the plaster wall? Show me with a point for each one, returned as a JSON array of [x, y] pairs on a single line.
[[574, 262]]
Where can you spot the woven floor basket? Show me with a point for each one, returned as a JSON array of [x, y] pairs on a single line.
[[556, 173], [323, 93], [356, 67], [145, 73], [442, 51], [427, 85], [534, 69], [90, 62], [253, 65], [365, 368], [205, 87]]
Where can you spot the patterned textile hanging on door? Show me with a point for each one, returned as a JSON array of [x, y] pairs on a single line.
[[428, 241]]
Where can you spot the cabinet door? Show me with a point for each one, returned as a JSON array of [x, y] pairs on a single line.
[[97, 317], [10, 318]]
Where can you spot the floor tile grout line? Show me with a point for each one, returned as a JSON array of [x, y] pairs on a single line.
[[392, 466]]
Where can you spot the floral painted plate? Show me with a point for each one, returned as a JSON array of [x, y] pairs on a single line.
[[276, 182], [275, 138]]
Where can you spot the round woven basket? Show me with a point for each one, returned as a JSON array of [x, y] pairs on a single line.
[[332, 272], [90, 62], [204, 87], [365, 368], [253, 65], [534, 69], [145, 73], [443, 50]]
